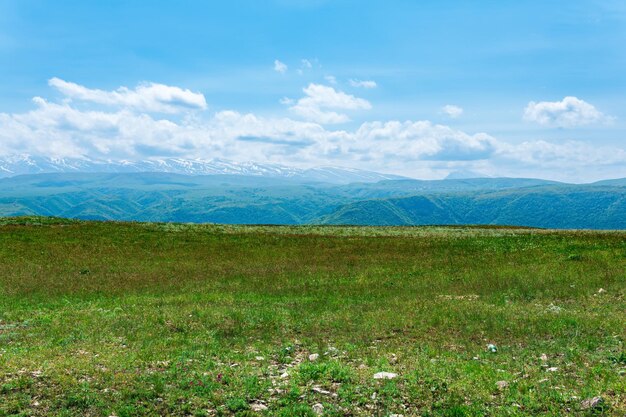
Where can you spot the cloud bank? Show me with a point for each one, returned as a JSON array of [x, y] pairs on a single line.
[[155, 120]]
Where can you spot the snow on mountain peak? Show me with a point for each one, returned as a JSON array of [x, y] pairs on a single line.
[[26, 164]]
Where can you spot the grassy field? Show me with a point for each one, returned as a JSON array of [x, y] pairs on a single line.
[[130, 319]]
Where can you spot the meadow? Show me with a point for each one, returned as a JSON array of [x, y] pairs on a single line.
[[138, 319]]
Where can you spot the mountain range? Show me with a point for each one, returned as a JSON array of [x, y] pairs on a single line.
[[26, 164], [177, 190]]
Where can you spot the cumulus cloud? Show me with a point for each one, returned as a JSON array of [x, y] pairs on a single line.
[[452, 111], [60, 129], [280, 67], [418, 148], [569, 112], [321, 102], [423, 140], [149, 97], [363, 83]]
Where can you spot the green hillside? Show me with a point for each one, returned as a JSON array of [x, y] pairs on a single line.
[[570, 207], [232, 199], [143, 319]]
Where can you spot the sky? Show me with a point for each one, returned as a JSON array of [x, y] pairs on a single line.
[[418, 88]]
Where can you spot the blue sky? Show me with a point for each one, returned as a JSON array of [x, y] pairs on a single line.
[[485, 60]]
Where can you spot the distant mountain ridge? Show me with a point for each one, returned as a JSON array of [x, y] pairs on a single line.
[[263, 199], [26, 164], [549, 206]]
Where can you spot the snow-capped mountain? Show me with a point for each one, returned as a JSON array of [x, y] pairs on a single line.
[[26, 164]]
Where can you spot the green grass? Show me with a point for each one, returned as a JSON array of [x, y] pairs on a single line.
[[131, 319]]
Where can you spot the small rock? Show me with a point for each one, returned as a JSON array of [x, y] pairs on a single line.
[[544, 357], [552, 369], [362, 366], [502, 385], [314, 356], [554, 308], [591, 403], [396, 415], [284, 375], [601, 290], [393, 359], [258, 407], [321, 391], [318, 409], [385, 375], [332, 351], [492, 348], [259, 358]]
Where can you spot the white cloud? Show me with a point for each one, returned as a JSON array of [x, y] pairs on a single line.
[[363, 83], [305, 65], [423, 140], [572, 153], [149, 97], [418, 148], [280, 67], [452, 111], [330, 79], [569, 112], [321, 101]]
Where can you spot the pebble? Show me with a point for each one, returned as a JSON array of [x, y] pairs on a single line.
[[314, 356], [385, 375], [258, 407], [318, 409], [322, 391], [544, 357], [502, 385], [552, 369], [591, 403]]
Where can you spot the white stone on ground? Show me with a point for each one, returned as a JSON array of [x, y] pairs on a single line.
[[385, 375], [318, 409], [258, 407]]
